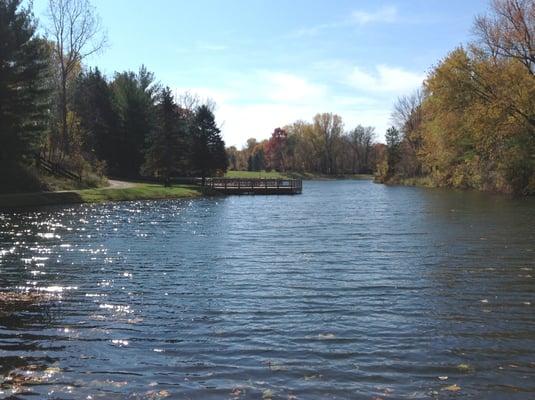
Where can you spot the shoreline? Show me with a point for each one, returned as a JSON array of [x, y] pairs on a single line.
[[318, 177], [130, 191], [425, 182], [306, 176], [138, 191]]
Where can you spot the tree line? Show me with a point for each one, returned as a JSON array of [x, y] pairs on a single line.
[[52, 105], [472, 124], [321, 147]]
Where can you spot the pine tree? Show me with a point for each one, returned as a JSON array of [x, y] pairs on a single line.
[[24, 95], [166, 149], [208, 148], [93, 103], [393, 144], [134, 97]]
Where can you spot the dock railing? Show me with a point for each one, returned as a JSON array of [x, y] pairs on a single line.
[[255, 186]]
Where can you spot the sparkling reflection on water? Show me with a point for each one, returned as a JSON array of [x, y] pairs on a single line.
[[351, 290]]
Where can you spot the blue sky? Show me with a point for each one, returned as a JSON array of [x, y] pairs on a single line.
[[268, 63]]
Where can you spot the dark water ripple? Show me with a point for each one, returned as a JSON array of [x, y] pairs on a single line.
[[350, 291]]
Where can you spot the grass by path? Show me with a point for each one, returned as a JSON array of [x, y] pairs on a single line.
[[142, 191]]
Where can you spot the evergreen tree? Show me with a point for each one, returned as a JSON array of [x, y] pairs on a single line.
[[24, 95], [208, 148], [165, 153], [256, 161], [134, 97], [393, 144], [93, 103]]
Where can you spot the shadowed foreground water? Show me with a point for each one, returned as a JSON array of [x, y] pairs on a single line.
[[349, 291]]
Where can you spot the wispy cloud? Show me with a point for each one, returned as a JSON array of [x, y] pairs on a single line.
[[315, 30], [211, 46], [386, 14], [385, 79]]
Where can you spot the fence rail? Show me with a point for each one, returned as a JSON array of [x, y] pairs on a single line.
[[55, 168]]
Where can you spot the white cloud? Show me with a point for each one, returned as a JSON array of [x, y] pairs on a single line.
[[285, 87], [314, 30], [385, 79], [241, 122], [254, 104], [220, 96], [387, 14]]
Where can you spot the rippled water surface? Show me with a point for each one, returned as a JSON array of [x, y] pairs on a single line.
[[349, 291]]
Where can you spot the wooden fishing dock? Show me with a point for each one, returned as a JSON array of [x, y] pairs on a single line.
[[255, 186]]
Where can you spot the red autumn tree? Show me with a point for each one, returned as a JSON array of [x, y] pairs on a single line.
[[275, 149]]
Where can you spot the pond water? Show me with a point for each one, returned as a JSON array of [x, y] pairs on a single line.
[[349, 291]]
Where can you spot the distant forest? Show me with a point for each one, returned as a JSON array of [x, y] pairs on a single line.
[[320, 147], [470, 125]]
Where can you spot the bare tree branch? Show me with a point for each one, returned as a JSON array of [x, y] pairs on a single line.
[[509, 31], [77, 33]]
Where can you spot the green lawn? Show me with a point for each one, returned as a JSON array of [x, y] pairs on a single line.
[[255, 174], [141, 191], [295, 175]]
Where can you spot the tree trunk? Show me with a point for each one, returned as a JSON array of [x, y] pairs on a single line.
[[64, 146]]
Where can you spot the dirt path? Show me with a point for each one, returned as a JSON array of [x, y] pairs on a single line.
[[113, 184]]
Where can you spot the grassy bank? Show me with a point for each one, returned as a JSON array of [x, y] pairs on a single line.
[[137, 192], [256, 175], [294, 175]]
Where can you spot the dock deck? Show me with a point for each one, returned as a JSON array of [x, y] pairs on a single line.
[[255, 186]]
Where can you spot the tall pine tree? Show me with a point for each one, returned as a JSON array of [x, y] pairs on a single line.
[[134, 97], [24, 94], [208, 148], [393, 147], [93, 103], [165, 153]]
